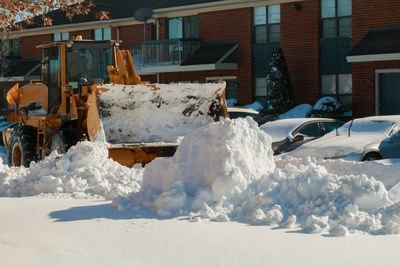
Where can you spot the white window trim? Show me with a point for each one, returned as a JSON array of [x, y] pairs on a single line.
[[373, 57], [222, 78], [377, 73]]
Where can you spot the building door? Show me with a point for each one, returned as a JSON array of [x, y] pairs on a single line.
[[389, 94]]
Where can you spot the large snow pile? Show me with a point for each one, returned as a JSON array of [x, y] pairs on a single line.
[[210, 167], [226, 172], [84, 171], [156, 112]]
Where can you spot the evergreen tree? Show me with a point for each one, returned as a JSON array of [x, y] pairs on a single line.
[[280, 94]]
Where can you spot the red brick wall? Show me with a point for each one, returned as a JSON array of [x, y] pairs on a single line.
[[28, 45], [300, 45], [163, 28], [368, 14], [232, 24], [134, 34]]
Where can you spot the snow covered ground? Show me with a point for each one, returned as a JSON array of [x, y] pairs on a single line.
[[43, 231], [222, 200]]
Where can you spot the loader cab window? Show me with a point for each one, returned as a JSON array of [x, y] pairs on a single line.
[[51, 64], [51, 69], [87, 64]]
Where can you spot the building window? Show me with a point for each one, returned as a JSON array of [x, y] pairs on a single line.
[[61, 36], [261, 87], [267, 27], [336, 18], [184, 27], [102, 34], [339, 86], [10, 48]]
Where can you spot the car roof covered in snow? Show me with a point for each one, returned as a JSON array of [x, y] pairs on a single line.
[[280, 129]]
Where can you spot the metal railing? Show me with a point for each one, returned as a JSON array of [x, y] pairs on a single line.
[[163, 52]]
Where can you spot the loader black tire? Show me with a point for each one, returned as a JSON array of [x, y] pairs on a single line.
[[64, 139], [21, 149]]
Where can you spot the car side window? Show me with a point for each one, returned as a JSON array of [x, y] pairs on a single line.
[[330, 126], [311, 129]]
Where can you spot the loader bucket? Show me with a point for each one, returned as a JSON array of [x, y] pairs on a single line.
[[149, 113]]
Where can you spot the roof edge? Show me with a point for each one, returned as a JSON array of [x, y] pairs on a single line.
[[158, 13]]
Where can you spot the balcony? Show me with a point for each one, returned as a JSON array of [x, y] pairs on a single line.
[[163, 52], [177, 55]]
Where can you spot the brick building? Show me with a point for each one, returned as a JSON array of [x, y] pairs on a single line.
[[349, 49]]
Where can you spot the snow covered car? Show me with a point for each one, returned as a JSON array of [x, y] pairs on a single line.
[[362, 139], [288, 134], [240, 112]]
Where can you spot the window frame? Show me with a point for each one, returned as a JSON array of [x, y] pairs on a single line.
[[11, 48], [183, 27], [337, 18], [61, 35], [337, 94], [308, 124], [266, 87], [267, 25], [102, 34]]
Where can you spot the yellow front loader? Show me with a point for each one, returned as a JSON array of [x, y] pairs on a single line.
[[89, 90]]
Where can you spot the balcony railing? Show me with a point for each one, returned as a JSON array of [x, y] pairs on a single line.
[[163, 52]]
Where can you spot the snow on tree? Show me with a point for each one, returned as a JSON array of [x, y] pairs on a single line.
[[13, 12], [279, 90], [328, 107]]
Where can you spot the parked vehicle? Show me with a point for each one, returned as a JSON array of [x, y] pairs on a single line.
[[363, 139], [241, 112], [288, 134]]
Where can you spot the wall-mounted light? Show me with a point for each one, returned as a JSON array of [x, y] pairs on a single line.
[[296, 7], [370, 78]]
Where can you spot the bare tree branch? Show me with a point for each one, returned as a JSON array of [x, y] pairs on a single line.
[[13, 12]]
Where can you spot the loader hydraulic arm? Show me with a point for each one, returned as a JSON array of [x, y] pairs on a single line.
[[124, 71]]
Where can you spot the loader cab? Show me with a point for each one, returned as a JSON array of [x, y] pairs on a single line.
[[86, 63], [73, 64]]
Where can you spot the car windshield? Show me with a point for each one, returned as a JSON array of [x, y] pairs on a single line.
[[365, 127], [280, 129]]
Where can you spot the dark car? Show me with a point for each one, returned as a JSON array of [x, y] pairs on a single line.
[[288, 134]]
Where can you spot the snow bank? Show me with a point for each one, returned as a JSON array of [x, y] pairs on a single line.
[[387, 174], [83, 171], [156, 112], [300, 111], [210, 166], [226, 172]]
